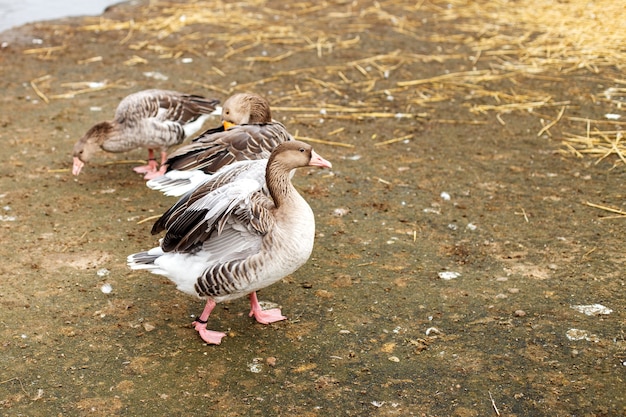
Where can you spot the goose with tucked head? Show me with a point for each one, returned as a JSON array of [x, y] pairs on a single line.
[[248, 133]]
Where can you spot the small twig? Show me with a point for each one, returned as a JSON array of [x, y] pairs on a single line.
[[37, 90], [589, 252], [324, 142], [125, 162], [454, 122], [126, 38], [334, 132], [493, 404], [523, 213], [616, 216], [615, 147], [15, 379], [552, 123], [218, 71], [573, 150], [147, 219], [90, 60], [46, 50], [612, 210], [390, 141], [444, 77]]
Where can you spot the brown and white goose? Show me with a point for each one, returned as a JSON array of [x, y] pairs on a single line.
[[227, 239], [248, 133], [151, 119]]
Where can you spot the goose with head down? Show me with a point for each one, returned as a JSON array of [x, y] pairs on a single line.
[[228, 238], [248, 133], [151, 119]]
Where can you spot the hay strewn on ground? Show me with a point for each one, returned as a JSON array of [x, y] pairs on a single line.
[[520, 42]]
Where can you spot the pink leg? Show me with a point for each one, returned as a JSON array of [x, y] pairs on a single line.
[[209, 336], [264, 316], [161, 171], [151, 167]]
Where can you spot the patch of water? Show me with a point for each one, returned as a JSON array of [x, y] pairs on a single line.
[[15, 13]]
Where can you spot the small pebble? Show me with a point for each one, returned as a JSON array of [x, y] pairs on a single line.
[[341, 211], [102, 272], [448, 275], [394, 359], [578, 334], [106, 288], [519, 313], [323, 294], [156, 75], [432, 330], [270, 361], [592, 309], [255, 367]]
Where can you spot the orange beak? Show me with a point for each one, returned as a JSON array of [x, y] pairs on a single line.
[[227, 125]]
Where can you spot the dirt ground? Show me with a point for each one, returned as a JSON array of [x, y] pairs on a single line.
[[453, 243]]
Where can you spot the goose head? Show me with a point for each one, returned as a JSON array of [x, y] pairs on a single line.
[[296, 154], [245, 108], [88, 145]]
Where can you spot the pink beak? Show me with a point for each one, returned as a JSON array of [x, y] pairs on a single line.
[[78, 165], [318, 161]]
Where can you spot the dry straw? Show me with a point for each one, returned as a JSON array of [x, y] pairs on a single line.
[[498, 43]]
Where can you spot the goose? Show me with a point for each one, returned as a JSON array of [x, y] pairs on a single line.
[[152, 119], [228, 238], [248, 133]]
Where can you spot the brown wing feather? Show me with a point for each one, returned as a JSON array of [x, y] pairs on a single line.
[[183, 108], [213, 150]]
